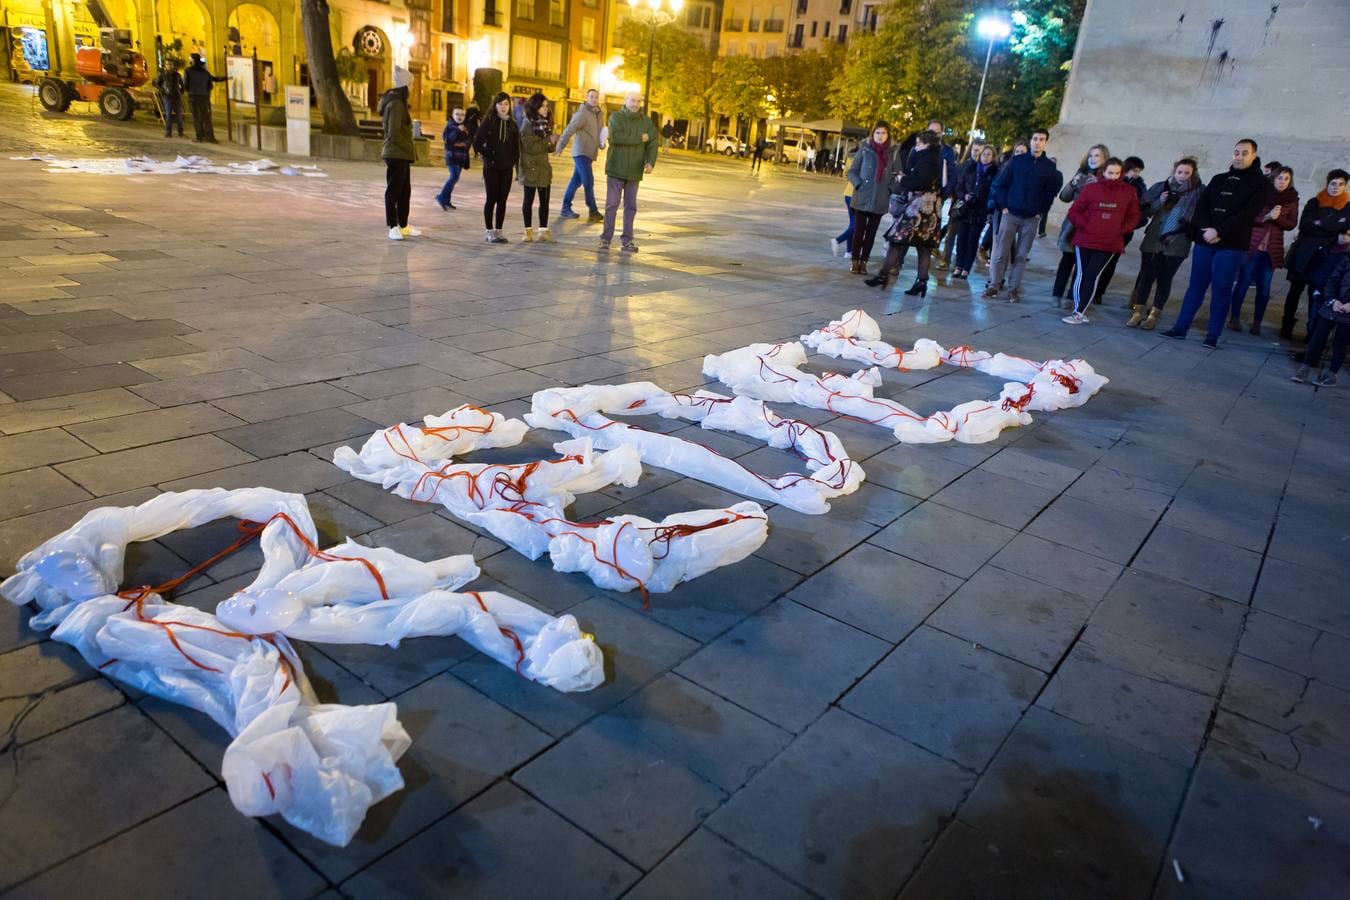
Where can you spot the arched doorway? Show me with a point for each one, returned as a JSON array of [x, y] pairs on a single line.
[[372, 47], [254, 28], [184, 29]]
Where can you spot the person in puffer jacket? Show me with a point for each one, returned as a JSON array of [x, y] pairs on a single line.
[[1278, 214], [1103, 214], [1333, 317]]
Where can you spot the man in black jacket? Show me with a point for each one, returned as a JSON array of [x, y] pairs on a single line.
[[198, 82], [170, 85], [1223, 231]]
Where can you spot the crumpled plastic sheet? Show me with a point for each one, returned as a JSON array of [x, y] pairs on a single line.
[[772, 372], [581, 412], [145, 165], [1054, 384], [523, 504], [320, 766]]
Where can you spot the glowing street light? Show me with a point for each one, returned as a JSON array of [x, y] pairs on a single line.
[[657, 13], [994, 28]]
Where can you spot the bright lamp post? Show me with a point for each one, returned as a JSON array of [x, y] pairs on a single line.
[[656, 13], [995, 28]]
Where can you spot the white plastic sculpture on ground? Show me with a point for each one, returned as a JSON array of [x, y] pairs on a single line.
[[581, 412], [321, 766], [195, 165], [773, 372], [523, 505]]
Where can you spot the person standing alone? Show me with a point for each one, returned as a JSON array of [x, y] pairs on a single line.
[[1023, 191], [586, 125], [456, 138], [198, 83], [632, 154], [1223, 222], [399, 154]]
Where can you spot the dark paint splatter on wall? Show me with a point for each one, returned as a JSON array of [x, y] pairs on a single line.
[[1265, 35], [1214, 27]]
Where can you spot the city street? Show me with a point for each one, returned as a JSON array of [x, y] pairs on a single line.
[[1104, 655]]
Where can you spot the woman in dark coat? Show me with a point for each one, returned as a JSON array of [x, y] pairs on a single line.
[[873, 168], [919, 223], [1266, 252], [972, 192], [498, 143], [1324, 217]]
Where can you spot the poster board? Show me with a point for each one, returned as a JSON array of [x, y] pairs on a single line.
[[297, 119], [239, 71]]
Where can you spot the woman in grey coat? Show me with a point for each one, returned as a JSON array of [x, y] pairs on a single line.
[[874, 166]]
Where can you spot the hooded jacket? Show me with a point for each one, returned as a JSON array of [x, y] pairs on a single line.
[[1229, 206], [398, 139], [498, 142], [1268, 234], [1026, 185], [1104, 214]]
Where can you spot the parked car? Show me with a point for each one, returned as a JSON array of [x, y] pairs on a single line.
[[726, 144], [794, 149]]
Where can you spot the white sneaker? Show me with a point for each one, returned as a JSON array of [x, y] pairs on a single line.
[[395, 234], [1075, 319], [409, 231], [834, 248], [543, 237]]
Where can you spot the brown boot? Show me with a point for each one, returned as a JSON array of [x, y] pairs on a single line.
[[1136, 316], [1151, 322], [855, 267]]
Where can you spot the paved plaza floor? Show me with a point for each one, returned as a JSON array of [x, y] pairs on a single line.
[[1105, 655]]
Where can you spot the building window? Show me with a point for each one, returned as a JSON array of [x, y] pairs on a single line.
[[753, 24], [588, 34], [801, 6], [843, 33], [734, 21], [813, 28], [798, 34], [437, 100], [845, 7], [448, 63], [698, 17], [524, 51], [591, 4], [827, 28], [448, 16], [492, 16], [775, 23], [550, 63], [555, 13], [870, 18], [524, 9]]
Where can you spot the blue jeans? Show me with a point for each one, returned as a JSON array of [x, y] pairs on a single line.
[[1213, 270], [581, 177], [1258, 268], [847, 237], [444, 196]]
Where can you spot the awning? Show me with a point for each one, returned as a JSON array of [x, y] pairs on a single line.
[[834, 126]]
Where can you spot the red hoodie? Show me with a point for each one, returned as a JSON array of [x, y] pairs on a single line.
[[1103, 214]]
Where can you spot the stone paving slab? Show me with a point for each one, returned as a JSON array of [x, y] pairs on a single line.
[[994, 665]]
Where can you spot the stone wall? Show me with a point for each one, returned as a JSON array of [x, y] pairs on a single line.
[[1161, 79]]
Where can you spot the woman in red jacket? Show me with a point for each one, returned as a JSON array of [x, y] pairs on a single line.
[[1103, 214], [1266, 254]]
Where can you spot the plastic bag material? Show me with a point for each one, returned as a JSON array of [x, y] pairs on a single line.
[[581, 412], [771, 372], [857, 337], [523, 504]]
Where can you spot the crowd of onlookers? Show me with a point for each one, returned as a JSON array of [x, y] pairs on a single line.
[[1232, 228]]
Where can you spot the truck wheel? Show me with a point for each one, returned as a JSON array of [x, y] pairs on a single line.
[[115, 103], [52, 94]]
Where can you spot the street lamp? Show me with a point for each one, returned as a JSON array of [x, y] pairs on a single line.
[[656, 14], [995, 28]]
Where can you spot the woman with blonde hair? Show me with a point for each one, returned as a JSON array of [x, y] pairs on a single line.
[[1089, 171]]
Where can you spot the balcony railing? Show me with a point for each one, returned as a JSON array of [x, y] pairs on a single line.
[[773, 26], [537, 74], [753, 25], [733, 25]]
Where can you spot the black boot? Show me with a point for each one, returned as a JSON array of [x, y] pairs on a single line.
[[918, 289], [878, 280]]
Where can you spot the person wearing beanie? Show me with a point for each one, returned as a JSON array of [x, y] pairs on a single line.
[[1103, 214], [498, 143], [1277, 215], [399, 155], [1223, 232]]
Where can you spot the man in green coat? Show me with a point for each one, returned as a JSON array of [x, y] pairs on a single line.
[[632, 154]]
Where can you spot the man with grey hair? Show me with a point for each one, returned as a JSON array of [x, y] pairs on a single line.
[[632, 154], [584, 132]]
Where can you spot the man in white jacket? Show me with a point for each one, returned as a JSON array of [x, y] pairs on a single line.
[[586, 126]]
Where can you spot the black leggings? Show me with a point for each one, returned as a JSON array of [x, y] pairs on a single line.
[[1156, 271], [498, 184], [543, 205], [1090, 265], [1321, 329], [864, 234], [1064, 274], [1296, 288], [397, 192], [895, 255]]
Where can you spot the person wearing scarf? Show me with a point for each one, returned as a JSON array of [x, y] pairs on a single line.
[[874, 166], [973, 188], [1089, 170], [535, 171], [1267, 248], [1324, 217], [1169, 206]]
